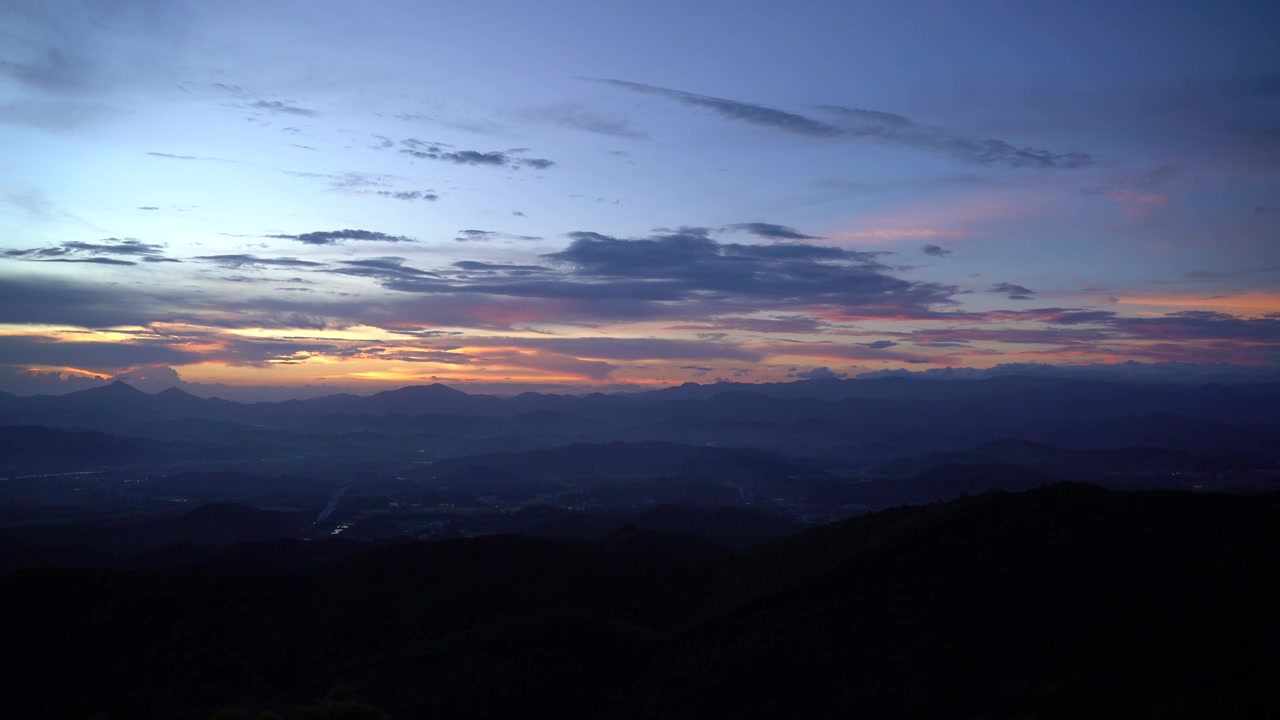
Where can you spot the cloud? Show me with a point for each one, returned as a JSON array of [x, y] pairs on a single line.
[[383, 269], [427, 195], [734, 110], [115, 246], [332, 237], [487, 235], [773, 232], [632, 349], [510, 159], [92, 260], [891, 234], [172, 156], [893, 129], [887, 128], [1015, 292], [879, 344], [935, 250], [818, 373], [75, 251], [277, 106], [350, 182], [579, 117], [509, 269], [802, 324], [685, 273], [253, 261], [1266, 210]]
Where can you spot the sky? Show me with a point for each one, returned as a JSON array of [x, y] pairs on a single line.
[[291, 198]]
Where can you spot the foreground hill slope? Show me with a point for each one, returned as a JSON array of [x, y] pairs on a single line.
[[1066, 601]]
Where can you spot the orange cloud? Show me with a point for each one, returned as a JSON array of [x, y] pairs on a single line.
[[1256, 303]]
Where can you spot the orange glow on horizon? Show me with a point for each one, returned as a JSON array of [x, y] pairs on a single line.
[[1249, 302]]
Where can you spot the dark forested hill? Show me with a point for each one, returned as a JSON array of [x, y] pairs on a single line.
[[1066, 601]]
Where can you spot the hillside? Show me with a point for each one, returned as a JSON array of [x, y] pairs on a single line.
[[1066, 601]]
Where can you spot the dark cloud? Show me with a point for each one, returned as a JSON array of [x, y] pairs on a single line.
[[277, 106], [734, 110], [1014, 292], [383, 269], [681, 274], [486, 235], [148, 207], [115, 246], [935, 250], [172, 156], [75, 251], [773, 232], [879, 344], [1077, 317], [57, 302], [873, 125], [1202, 325], [475, 157], [427, 195], [897, 130], [332, 237], [98, 356], [253, 261], [424, 150]]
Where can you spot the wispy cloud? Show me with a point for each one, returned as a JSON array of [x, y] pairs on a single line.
[[857, 124], [488, 235], [279, 106], [332, 237], [427, 195], [1014, 292], [237, 261], [580, 117], [509, 159], [772, 231], [75, 251]]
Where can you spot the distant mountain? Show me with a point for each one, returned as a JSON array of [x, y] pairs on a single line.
[[857, 422]]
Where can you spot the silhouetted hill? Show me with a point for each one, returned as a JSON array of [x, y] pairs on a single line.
[[1068, 601], [40, 449]]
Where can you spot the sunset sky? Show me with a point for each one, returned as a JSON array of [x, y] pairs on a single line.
[[554, 195]]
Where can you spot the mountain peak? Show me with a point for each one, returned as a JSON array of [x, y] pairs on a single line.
[[117, 388]]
